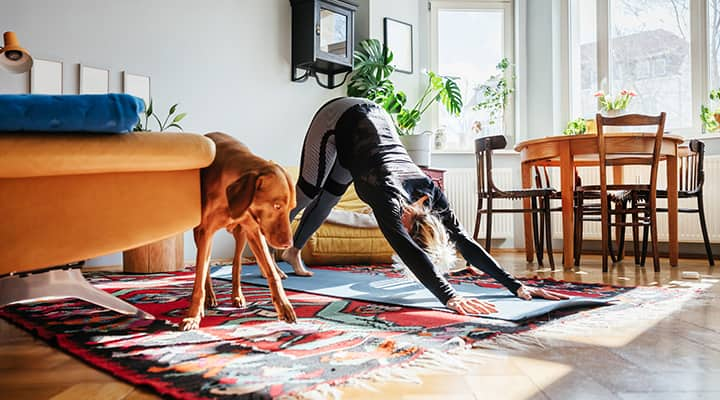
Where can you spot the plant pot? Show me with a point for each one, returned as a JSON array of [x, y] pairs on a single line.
[[418, 147], [717, 117], [615, 129], [162, 256]]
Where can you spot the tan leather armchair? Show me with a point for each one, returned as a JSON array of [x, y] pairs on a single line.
[[70, 197]]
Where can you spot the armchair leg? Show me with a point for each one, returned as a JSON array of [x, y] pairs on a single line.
[[61, 283]]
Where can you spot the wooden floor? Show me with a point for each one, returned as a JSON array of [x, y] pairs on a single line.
[[675, 357]]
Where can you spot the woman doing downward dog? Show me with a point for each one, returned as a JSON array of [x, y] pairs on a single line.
[[354, 140]]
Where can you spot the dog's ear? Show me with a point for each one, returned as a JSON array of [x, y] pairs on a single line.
[[240, 194]]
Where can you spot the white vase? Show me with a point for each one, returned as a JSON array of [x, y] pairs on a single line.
[[613, 114], [418, 147]]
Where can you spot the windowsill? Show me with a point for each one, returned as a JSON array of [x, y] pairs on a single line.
[[468, 152]]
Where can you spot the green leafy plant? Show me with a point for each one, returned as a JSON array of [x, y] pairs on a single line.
[[576, 127], [438, 88], [371, 80], [171, 121], [711, 118], [496, 91], [620, 102]]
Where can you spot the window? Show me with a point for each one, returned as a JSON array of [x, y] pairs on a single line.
[[714, 43], [468, 40], [653, 47]]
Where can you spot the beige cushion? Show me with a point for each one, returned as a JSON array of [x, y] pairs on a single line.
[[339, 244]]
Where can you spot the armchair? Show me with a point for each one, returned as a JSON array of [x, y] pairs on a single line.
[[69, 197]]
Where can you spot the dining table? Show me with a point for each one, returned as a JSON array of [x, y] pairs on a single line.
[[570, 151]]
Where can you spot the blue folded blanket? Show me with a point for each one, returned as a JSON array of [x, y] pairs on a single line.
[[103, 113]]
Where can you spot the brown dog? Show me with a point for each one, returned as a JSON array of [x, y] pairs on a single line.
[[252, 198]]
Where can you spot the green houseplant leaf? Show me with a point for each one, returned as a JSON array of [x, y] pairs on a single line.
[[372, 69]]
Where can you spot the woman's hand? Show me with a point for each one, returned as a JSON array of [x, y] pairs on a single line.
[[464, 306], [528, 292]]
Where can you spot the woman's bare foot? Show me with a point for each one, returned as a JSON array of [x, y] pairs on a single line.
[[292, 256]]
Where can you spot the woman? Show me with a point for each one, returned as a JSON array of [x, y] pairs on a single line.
[[354, 140]]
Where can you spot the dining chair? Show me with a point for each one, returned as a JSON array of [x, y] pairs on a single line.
[[641, 197], [488, 192], [542, 179], [691, 178]]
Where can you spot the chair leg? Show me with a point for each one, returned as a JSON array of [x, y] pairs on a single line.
[[537, 232], [645, 245], [654, 238], [610, 249], [477, 218], [488, 231], [548, 234], [620, 232], [605, 219], [703, 226], [578, 233], [636, 231]]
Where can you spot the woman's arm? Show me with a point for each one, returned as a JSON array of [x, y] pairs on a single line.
[[389, 221], [471, 250]]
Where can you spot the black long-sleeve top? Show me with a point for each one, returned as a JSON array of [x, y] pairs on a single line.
[[386, 178]]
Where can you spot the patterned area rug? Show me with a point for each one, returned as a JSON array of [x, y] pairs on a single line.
[[247, 353]]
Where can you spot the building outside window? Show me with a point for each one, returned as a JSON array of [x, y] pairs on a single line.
[[654, 47]]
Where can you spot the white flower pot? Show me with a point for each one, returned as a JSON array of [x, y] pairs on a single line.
[[418, 147]]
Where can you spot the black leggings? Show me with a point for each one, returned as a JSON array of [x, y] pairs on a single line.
[[322, 180]]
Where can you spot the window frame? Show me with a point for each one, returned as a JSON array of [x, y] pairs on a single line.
[[507, 6], [699, 35]]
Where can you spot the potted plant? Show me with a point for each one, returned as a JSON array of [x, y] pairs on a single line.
[[711, 118], [371, 80], [167, 254], [496, 92], [162, 125], [576, 127]]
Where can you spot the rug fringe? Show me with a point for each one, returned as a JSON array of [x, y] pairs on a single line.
[[454, 356]]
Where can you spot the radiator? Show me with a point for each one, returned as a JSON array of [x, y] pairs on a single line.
[[688, 224], [461, 191]]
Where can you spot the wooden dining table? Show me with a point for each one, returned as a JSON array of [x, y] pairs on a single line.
[[569, 152]]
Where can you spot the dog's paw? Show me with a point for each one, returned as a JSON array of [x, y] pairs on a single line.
[[210, 300], [190, 323], [239, 301], [285, 312]]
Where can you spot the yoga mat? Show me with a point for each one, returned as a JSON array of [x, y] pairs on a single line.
[[405, 292]]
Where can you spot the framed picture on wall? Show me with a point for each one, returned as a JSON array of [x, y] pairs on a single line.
[[398, 38], [46, 77], [94, 80], [137, 85]]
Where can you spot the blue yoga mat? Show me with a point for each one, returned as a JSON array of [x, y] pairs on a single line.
[[404, 292]]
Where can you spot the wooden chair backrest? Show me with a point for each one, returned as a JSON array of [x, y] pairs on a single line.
[[484, 147], [690, 167], [618, 155]]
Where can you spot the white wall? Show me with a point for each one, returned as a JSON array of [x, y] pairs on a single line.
[[227, 62], [406, 11]]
